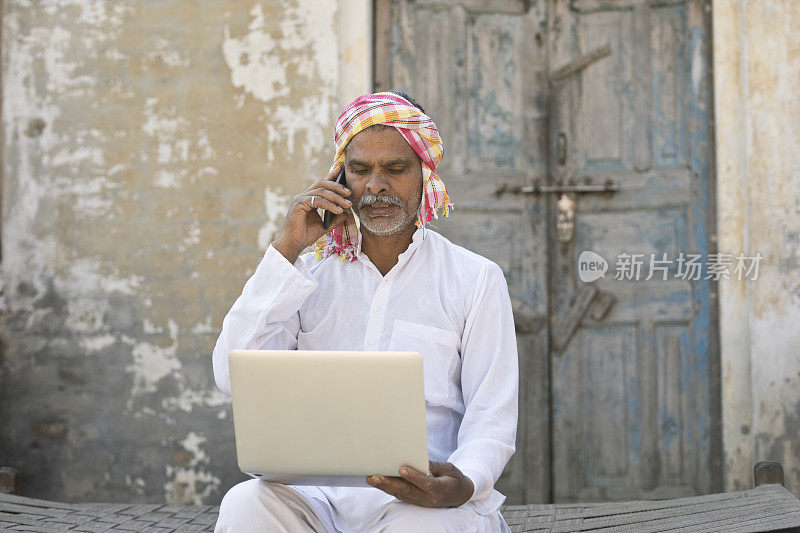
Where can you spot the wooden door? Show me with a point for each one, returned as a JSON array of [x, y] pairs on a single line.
[[485, 72], [633, 392]]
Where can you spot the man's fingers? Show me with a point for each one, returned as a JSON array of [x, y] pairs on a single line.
[[441, 469], [415, 477], [316, 201], [334, 173], [338, 188], [397, 487], [331, 196]]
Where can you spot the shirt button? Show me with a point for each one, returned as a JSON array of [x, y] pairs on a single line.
[[377, 311], [371, 342]]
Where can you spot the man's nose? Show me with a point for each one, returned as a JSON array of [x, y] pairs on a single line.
[[377, 183]]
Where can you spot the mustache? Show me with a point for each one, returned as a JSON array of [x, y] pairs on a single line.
[[369, 199]]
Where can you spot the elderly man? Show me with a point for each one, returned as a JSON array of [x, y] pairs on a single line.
[[381, 281]]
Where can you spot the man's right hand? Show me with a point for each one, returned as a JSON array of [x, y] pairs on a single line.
[[303, 225]]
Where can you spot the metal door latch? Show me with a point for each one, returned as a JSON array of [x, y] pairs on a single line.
[[537, 188], [565, 219]]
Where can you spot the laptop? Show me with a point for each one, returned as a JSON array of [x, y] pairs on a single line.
[[327, 417]]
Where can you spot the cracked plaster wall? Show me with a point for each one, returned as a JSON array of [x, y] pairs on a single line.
[[149, 152], [757, 93]]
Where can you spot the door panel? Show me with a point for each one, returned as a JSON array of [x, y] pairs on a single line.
[[639, 421]]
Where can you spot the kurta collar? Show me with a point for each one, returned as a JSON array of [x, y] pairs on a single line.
[[416, 241]]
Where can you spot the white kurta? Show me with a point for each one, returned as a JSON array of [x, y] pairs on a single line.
[[440, 300]]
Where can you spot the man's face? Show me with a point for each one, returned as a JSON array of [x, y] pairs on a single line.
[[385, 175]]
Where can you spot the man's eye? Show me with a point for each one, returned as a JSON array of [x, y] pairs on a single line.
[[396, 170], [359, 170]]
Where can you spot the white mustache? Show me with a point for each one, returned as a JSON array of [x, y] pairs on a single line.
[[369, 199]]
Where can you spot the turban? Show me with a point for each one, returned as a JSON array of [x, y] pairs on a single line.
[[421, 133]]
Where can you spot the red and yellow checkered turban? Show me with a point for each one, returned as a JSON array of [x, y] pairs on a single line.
[[421, 133]]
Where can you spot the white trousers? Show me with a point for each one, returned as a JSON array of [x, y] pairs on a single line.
[[256, 506]]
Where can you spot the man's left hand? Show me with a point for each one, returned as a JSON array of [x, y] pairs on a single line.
[[446, 487]]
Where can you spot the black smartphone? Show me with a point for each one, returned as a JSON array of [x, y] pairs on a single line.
[[327, 216]]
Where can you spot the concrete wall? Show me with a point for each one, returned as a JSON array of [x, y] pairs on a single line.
[[757, 92], [149, 152]]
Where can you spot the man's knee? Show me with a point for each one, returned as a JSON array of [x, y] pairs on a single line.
[[400, 517], [245, 494], [258, 506]]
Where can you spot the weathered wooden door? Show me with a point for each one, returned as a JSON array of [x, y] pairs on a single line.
[[633, 391], [556, 93]]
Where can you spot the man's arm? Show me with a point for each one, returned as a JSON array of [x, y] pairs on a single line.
[[489, 384], [265, 316]]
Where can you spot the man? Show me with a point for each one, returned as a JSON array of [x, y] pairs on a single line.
[[382, 281]]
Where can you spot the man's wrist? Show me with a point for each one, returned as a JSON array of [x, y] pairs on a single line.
[[466, 492], [478, 474], [287, 249]]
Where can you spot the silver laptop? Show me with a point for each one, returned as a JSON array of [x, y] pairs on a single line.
[[327, 418]]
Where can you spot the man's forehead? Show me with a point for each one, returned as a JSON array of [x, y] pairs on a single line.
[[380, 160], [382, 148]]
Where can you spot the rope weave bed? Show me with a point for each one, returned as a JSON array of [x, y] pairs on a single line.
[[765, 508]]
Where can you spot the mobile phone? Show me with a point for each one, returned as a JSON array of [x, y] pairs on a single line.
[[327, 216]]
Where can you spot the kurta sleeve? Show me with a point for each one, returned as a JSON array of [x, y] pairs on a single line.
[[489, 384], [266, 315]]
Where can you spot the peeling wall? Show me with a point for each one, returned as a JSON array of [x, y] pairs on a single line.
[[757, 93], [149, 153]]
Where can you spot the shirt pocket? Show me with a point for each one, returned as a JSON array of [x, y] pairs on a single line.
[[439, 350]]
